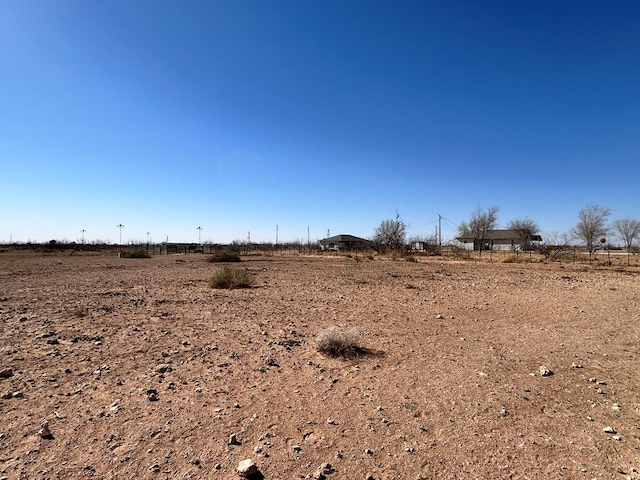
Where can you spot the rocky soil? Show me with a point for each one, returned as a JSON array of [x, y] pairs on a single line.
[[136, 368]]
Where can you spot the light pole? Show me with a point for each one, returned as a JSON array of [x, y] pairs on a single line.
[[83, 230], [199, 237], [120, 226]]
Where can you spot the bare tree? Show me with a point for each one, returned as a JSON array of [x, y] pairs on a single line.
[[628, 229], [556, 244], [592, 226], [525, 229], [481, 223], [391, 234]]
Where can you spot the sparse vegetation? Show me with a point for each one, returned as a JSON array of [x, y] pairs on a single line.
[[225, 256], [135, 254], [335, 342], [231, 277]]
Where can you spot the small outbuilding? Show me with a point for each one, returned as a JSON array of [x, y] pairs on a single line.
[[343, 242], [499, 240]]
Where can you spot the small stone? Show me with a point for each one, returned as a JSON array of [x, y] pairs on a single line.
[[217, 466], [368, 451], [6, 372], [297, 448], [6, 395], [440, 316], [237, 405], [379, 408], [233, 440], [163, 367], [331, 421], [615, 406], [17, 394], [257, 449], [409, 449], [544, 371], [593, 380], [384, 420], [152, 395], [155, 468], [608, 429], [617, 438], [326, 468], [44, 431], [246, 468], [319, 476], [576, 365]]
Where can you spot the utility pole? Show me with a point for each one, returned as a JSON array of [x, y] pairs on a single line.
[[249, 237], [439, 230], [83, 230], [120, 226], [308, 237], [199, 237], [276, 234]]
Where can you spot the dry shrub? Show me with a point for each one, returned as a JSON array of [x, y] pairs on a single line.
[[230, 277], [335, 342], [511, 258], [224, 256]]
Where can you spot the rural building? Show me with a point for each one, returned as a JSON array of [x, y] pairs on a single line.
[[499, 240], [342, 242]]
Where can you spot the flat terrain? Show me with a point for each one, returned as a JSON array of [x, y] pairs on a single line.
[[449, 386]]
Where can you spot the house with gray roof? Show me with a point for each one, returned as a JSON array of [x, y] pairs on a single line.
[[499, 240], [339, 243]]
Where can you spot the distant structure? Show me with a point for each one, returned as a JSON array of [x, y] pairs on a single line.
[[343, 242], [500, 240]]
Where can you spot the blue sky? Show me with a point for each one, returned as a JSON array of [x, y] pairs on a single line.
[[314, 116]]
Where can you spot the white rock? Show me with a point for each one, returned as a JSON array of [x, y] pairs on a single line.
[[246, 468], [544, 371], [44, 431]]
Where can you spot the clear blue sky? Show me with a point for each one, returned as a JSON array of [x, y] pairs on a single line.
[[238, 116]]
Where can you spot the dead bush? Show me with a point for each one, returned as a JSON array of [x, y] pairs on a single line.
[[224, 256], [231, 277], [335, 342]]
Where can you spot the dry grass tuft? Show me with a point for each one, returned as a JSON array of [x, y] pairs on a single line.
[[335, 342], [231, 277]]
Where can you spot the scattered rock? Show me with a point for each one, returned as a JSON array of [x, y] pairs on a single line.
[[592, 380], [440, 316], [326, 469], [44, 431], [155, 468], [608, 429], [163, 367], [617, 438], [368, 451], [6, 395], [152, 395], [246, 468], [233, 440], [576, 365], [297, 448], [18, 394], [6, 372], [615, 406], [544, 371], [331, 421]]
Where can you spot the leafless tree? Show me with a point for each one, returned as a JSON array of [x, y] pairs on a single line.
[[592, 226], [556, 244], [481, 223], [628, 229], [391, 234], [525, 229]]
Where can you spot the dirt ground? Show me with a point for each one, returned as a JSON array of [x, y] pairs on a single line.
[[449, 387]]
